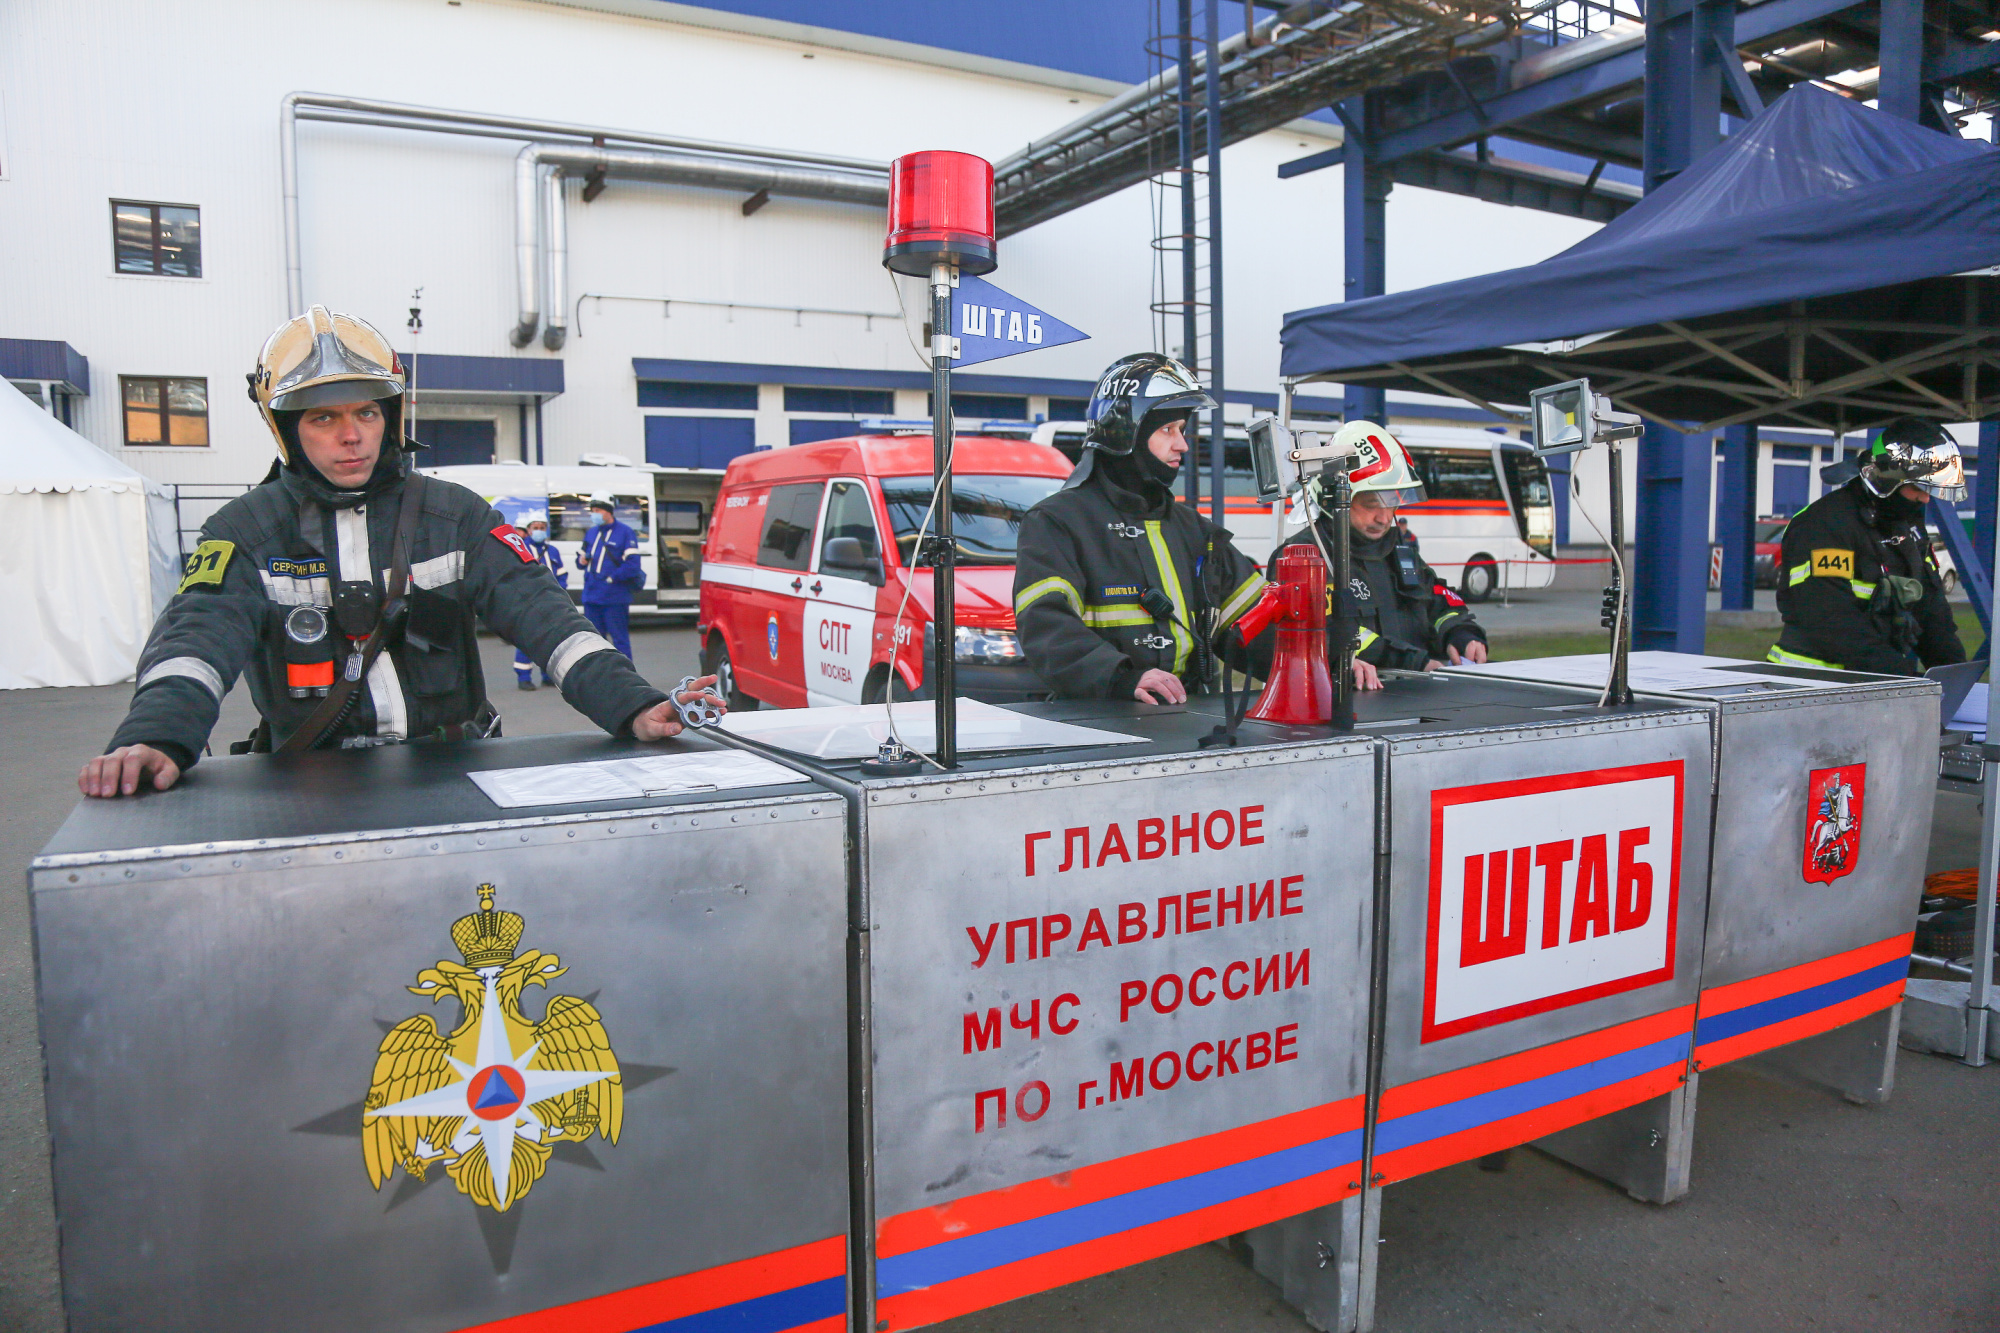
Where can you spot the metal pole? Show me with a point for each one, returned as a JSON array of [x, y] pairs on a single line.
[[288, 174], [1736, 518], [1621, 624], [944, 587], [1979, 994], [1342, 487], [1215, 375], [1190, 291]]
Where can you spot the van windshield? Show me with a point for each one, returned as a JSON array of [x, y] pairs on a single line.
[[985, 514]]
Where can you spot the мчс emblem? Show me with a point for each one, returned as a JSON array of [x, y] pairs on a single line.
[[1833, 822], [490, 1100]]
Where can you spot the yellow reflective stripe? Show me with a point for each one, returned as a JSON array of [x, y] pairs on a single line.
[[1366, 637], [1246, 594], [1862, 590], [1118, 613], [1034, 592], [1798, 574], [1778, 654], [1438, 624], [1170, 583]]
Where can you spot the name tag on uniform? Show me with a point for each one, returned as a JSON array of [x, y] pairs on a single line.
[[1835, 564], [287, 568], [1112, 590]]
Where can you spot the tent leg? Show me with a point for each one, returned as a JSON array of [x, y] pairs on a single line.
[[1736, 518]]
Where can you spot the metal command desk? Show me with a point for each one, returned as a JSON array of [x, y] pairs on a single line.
[[966, 1035], [1825, 786]]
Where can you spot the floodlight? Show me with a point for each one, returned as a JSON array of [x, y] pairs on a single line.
[[1568, 418], [1269, 443]]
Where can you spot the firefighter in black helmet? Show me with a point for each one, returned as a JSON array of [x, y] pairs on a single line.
[[1857, 584], [1119, 592]]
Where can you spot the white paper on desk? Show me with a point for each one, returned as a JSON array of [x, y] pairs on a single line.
[[629, 779], [856, 731], [1971, 715]]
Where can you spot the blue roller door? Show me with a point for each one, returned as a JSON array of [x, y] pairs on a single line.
[[698, 441]]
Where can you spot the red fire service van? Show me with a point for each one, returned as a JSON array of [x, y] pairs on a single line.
[[812, 551]]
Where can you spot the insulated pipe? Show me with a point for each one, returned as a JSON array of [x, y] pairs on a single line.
[[527, 245], [555, 259], [297, 106], [537, 215]]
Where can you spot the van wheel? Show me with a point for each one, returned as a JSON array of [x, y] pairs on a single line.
[[879, 682], [715, 662], [1481, 577], [1950, 582]]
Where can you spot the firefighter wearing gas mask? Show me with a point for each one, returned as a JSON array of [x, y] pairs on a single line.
[[346, 587], [1120, 592], [1410, 618], [1858, 586]]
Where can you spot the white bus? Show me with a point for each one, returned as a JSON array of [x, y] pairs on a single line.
[[668, 508], [1487, 520]]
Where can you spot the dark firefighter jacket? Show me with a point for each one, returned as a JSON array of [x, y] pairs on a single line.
[[1859, 588], [279, 547], [1088, 554], [1408, 615]]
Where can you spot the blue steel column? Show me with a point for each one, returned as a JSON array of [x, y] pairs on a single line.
[[1217, 436], [1670, 548], [1901, 48], [1364, 217], [1685, 40], [1736, 518]]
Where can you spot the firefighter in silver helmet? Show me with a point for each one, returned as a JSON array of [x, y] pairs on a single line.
[[346, 588], [1119, 591], [1410, 618], [1858, 586]]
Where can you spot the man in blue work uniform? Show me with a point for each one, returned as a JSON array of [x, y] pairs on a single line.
[[551, 559], [611, 571]]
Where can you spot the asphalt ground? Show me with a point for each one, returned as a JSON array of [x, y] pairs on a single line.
[[1806, 1213]]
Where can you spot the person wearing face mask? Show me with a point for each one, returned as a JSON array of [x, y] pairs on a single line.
[[1858, 586], [611, 570], [545, 552], [346, 587], [1410, 618], [1119, 591]]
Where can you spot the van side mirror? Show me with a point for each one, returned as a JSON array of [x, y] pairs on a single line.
[[847, 555]]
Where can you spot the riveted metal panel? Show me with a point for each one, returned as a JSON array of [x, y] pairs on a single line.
[[1285, 994], [1764, 915], [212, 1014], [1559, 761]]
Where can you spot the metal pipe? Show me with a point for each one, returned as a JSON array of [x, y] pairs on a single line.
[[1190, 314], [555, 259], [1217, 430], [540, 210], [841, 182], [527, 247], [524, 128], [944, 563]]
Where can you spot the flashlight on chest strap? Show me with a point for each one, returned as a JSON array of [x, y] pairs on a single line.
[[308, 652]]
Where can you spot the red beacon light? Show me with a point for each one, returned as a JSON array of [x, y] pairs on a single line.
[[940, 212]]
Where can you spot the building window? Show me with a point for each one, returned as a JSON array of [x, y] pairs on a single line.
[[986, 407], [683, 393], [1069, 409], [854, 402], [161, 411], [164, 239]]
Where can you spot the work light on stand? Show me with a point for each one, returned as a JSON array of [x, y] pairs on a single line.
[[1568, 418], [941, 224]]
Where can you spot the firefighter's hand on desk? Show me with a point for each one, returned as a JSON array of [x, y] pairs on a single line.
[[662, 720], [1474, 652], [1365, 676], [120, 772], [1160, 687]]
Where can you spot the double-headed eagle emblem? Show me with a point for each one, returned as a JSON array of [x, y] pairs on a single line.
[[492, 1099]]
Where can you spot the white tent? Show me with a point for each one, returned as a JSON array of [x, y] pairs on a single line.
[[92, 553]]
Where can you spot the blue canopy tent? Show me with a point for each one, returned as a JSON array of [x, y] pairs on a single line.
[[1828, 266]]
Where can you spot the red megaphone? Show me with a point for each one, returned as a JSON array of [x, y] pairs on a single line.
[[1299, 689]]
